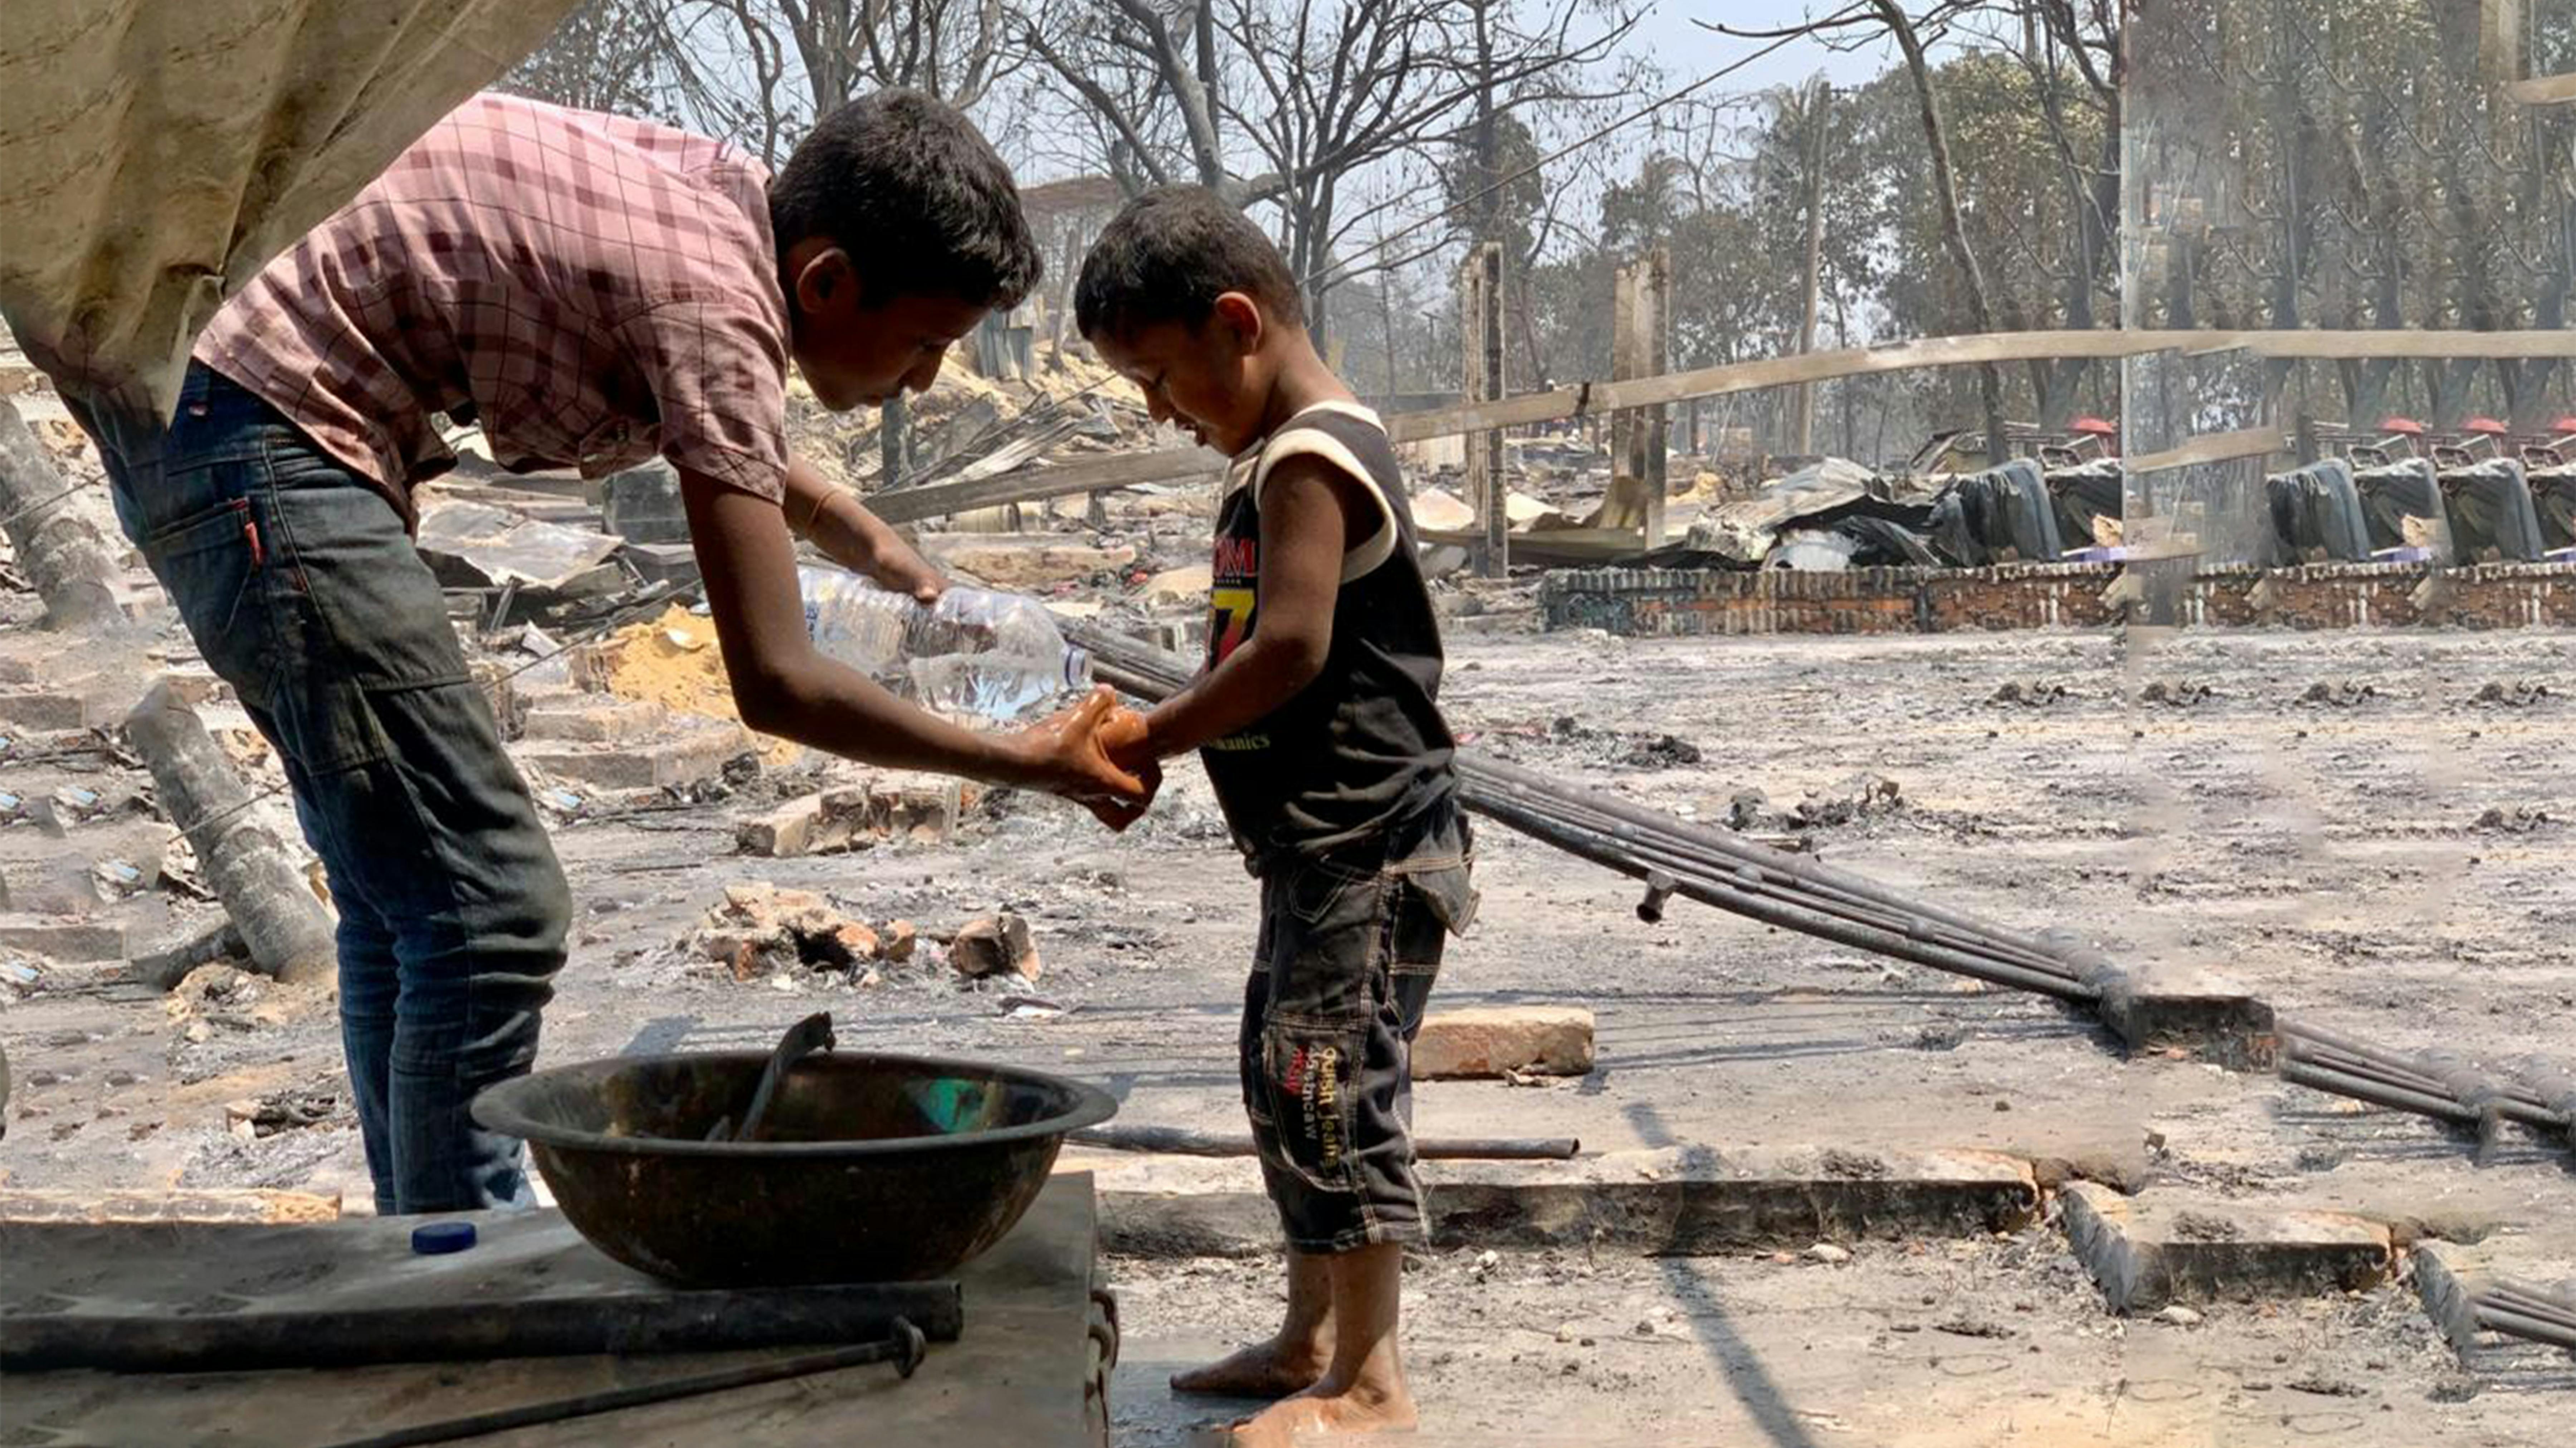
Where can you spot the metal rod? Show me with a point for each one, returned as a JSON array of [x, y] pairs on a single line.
[[2381, 1065], [2301, 1073], [1574, 839], [1491, 786], [2506, 1320], [2515, 1287], [1177, 1141], [1671, 844], [904, 1349], [2558, 1309], [1809, 871]]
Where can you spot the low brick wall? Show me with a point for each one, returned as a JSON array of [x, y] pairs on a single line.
[[1675, 603]]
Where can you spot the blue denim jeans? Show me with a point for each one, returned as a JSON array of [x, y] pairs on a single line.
[[304, 593]]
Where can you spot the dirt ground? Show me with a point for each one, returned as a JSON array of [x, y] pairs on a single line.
[[2355, 825]]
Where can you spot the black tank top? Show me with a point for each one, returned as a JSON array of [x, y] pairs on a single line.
[[1362, 750]]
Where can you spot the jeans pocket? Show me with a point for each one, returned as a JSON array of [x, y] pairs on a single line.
[[1310, 1085], [211, 563], [1317, 887]]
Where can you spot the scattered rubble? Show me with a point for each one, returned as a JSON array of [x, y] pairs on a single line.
[[759, 929]]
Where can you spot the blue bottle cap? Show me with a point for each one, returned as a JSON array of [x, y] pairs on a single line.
[[441, 1237]]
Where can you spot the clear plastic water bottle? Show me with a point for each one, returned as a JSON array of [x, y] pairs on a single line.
[[988, 655]]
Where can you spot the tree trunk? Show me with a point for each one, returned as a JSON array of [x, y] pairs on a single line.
[[1954, 231], [258, 876], [1813, 279], [65, 535]]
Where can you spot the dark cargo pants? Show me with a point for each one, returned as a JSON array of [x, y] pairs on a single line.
[[1350, 944]]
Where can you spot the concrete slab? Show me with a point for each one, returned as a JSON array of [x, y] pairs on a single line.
[[690, 756], [2157, 1249], [63, 939], [1029, 1368], [1675, 1201], [2172, 1007], [2448, 1275]]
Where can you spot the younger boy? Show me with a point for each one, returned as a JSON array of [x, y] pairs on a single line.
[[1317, 720], [591, 290]]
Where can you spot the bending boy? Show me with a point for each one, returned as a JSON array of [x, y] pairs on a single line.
[[591, 290]]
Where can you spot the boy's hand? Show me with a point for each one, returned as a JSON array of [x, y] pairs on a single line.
[[900, 567], [1067, 755]]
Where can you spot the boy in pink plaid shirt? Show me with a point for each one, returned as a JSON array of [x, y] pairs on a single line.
[[591, 291]]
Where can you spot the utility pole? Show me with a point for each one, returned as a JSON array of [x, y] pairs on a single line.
[[1804, 415]]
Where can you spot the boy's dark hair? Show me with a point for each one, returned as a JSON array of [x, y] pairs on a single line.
[[1168, 255], [917, 197]]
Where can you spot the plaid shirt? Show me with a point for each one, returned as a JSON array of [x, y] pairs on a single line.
[[589, 289]]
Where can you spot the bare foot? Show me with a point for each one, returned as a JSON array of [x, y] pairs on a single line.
[[1327, 1409], [1264, 1370]]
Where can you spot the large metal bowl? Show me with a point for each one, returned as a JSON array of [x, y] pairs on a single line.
[[871, 1168]]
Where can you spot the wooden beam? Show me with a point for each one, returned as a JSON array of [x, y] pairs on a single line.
[[2544, 90], [2214, 447], [1095, 475], [1485, 418], [231, 1205], [1971, 349]]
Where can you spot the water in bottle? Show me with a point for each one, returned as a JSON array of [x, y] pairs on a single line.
[[975, 653]]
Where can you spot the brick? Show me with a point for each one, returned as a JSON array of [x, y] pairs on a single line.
[[799, 827], [901, 802], [896, 946], [63, 939], [1499, 1040], [696, 755], [995, 945], [2153, 1249]]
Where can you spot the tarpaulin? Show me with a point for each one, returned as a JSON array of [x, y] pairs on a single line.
[[154, 154], [2493, 519], [2397, 492], [2553, 497], [2083, 494], [2002, 515], [2316, 515]]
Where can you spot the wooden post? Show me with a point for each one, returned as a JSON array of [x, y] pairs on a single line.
[[894, 443], [1480, 311], [1641, 302]]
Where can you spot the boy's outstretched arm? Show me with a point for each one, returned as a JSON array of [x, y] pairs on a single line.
[[834, 520], [1311, 512], [783, 685]]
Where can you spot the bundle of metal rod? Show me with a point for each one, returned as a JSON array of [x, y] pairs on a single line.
[[2437, 1084], [2523, 1311], [1678, 856]]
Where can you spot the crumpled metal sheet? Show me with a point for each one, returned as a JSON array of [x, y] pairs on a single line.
[[476, 545], [155, 154]]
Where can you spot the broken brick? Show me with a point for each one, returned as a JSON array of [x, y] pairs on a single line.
[[993, 945], [896, 945], [792, 829], [1479, 1041]]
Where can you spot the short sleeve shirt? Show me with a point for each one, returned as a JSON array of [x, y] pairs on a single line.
[[590, 290]]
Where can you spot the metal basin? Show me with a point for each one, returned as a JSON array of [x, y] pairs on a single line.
[[872, 1168]]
